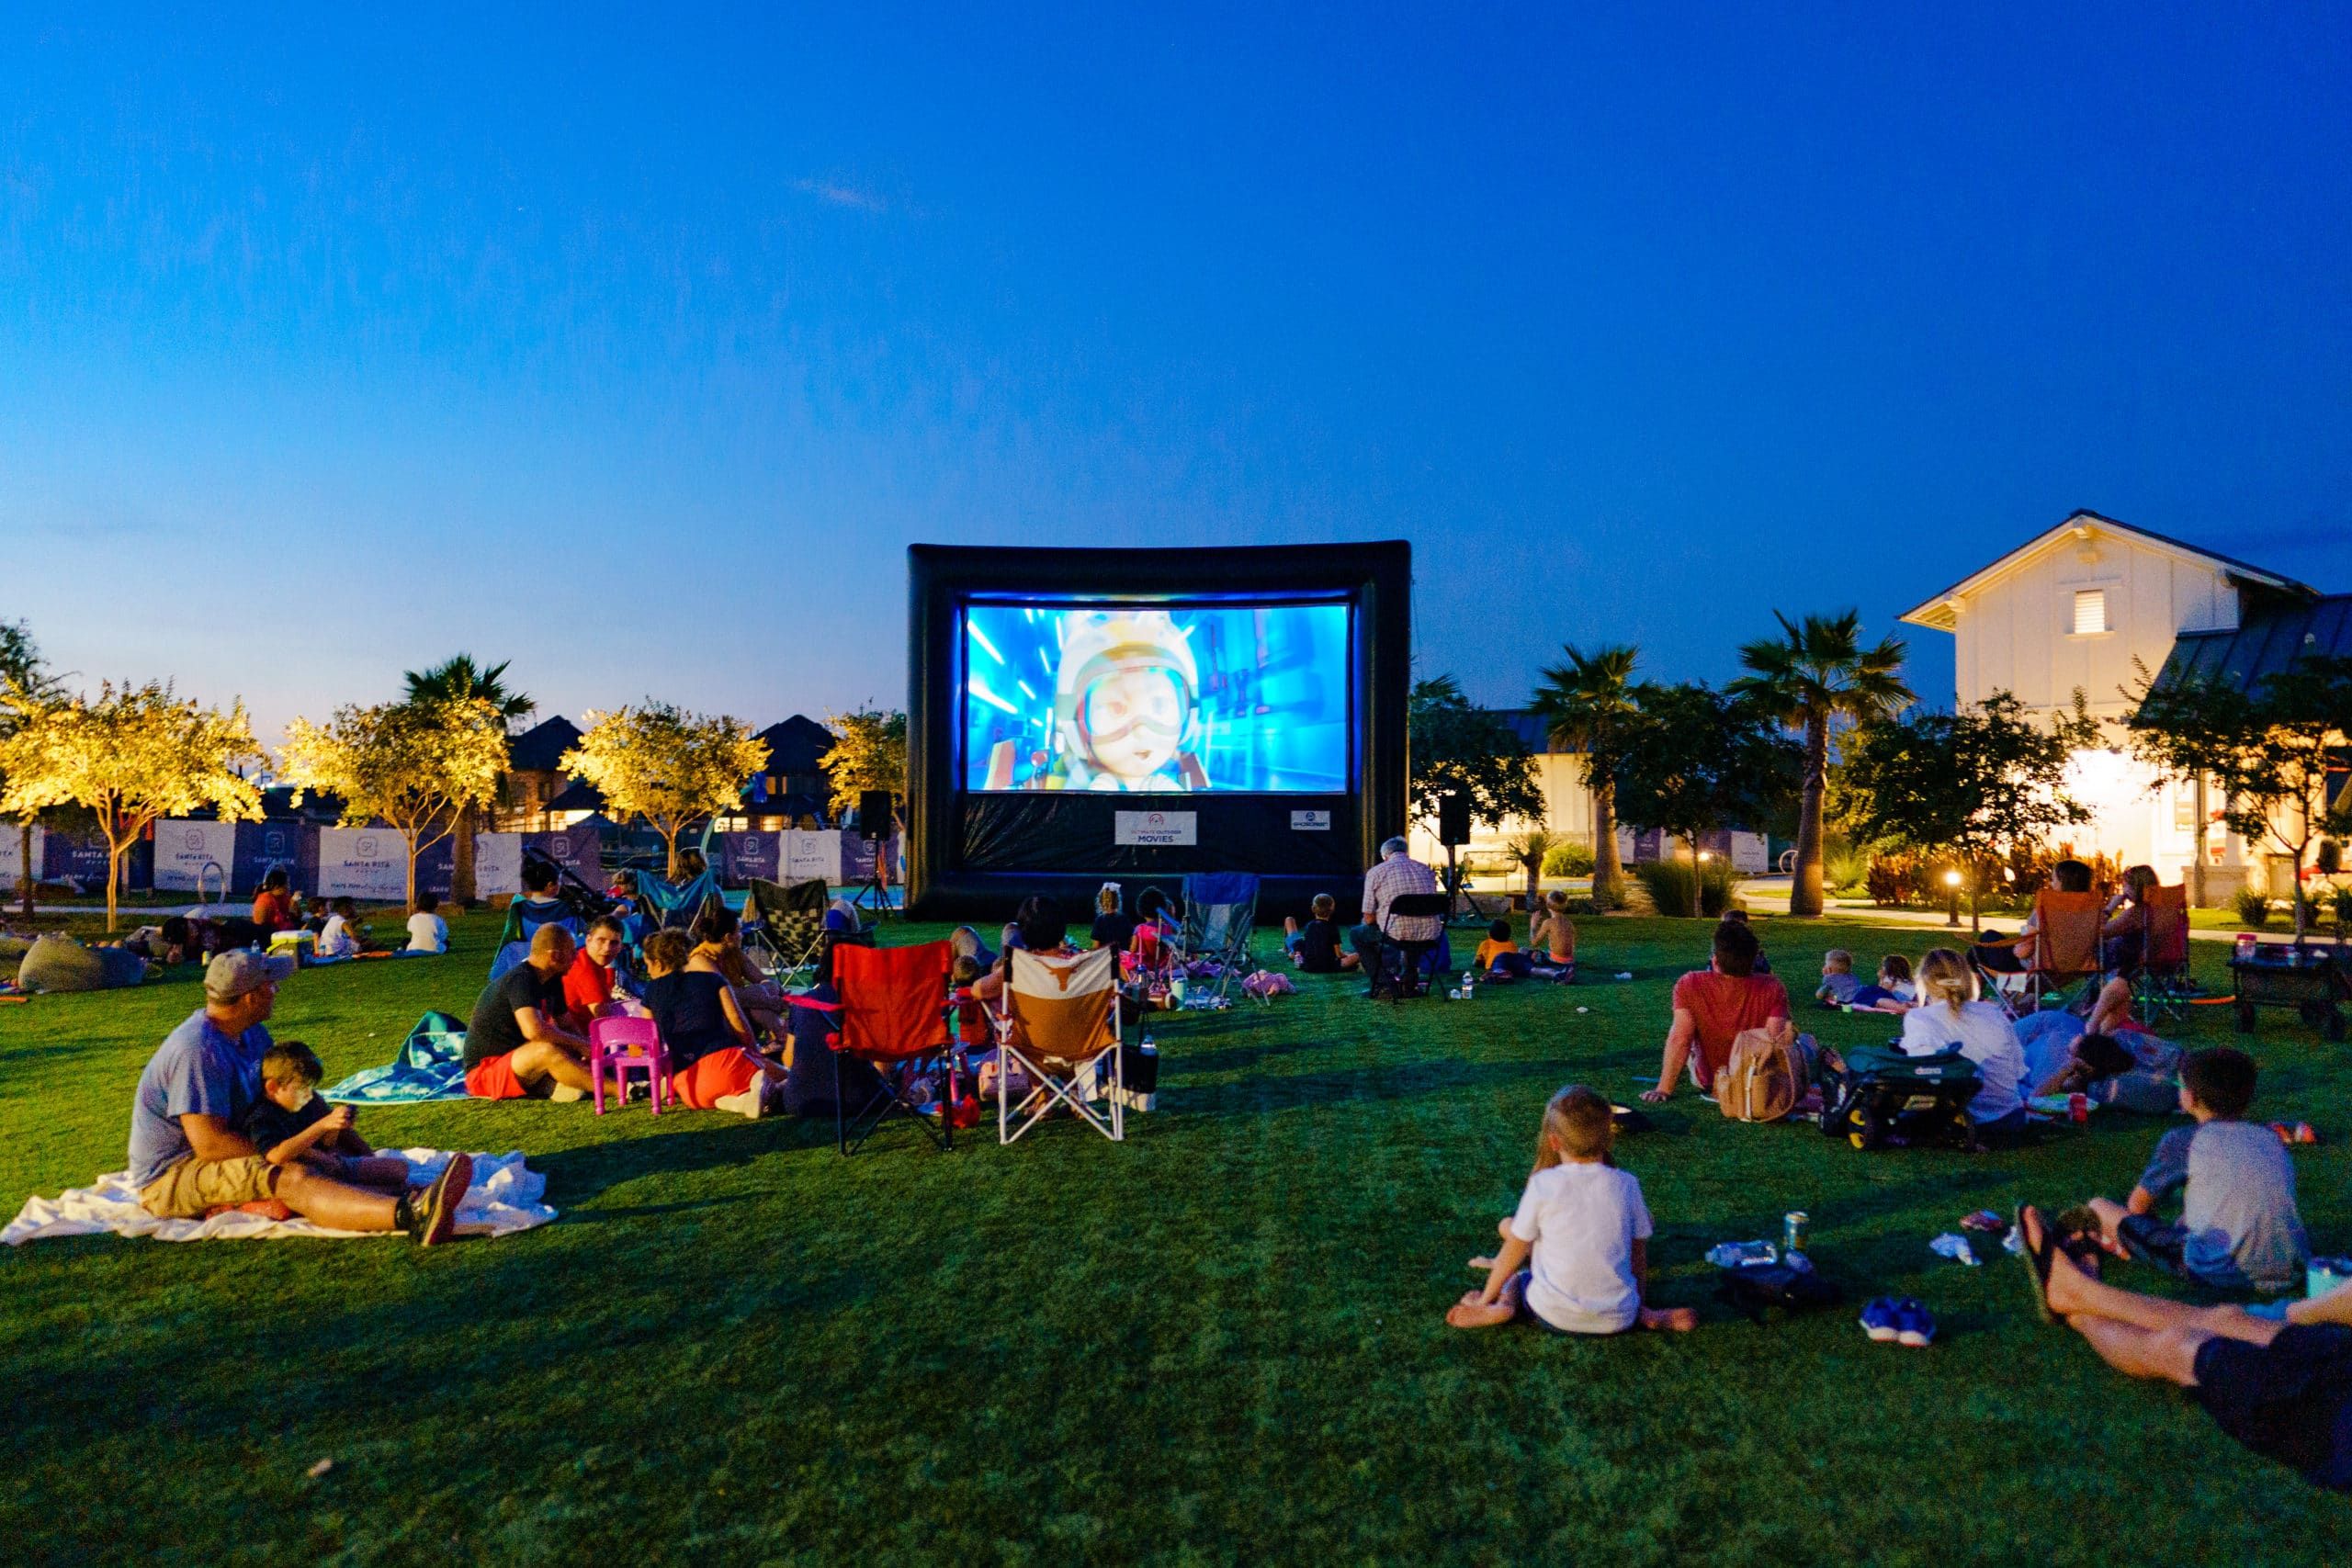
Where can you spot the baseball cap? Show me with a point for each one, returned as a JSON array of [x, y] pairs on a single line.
[[233, 974]]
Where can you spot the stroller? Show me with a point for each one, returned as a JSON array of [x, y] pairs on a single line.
[[1879, 1094]]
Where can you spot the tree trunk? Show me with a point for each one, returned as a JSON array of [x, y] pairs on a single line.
[[1608, 871], [1534, 890], [1698, 893], [461, 863], [25, 859], [410, 839], [669, 846], [2196, 855], [115, 870], [1804, 887]]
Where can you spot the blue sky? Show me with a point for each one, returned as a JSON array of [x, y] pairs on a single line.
[[635, 348]]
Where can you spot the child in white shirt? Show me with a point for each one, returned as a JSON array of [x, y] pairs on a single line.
[[1575, 1256], [427, 931], [337, 938]]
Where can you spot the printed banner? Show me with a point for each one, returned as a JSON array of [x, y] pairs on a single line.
[[265, 847], [12, 852], [812, 852], [742, 856], [64, 858], [498, 864], [1310, 822], [370, 863], [579, 848], [193, 854], [1157, 829]]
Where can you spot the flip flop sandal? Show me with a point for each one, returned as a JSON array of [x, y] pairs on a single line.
[[2037, 1260]]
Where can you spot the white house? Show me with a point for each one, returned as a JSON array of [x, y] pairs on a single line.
[[2096, 605]]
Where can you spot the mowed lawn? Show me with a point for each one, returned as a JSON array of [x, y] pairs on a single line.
[[1220, 1342]]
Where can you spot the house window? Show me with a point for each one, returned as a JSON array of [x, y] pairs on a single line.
[[2090, 611]]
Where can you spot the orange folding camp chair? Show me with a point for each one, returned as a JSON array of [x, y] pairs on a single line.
[[2160, 991], [2065, 950], [894, 1014]]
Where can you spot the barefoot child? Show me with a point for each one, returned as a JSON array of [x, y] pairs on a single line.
[[1574, 1257], [290, 1125]]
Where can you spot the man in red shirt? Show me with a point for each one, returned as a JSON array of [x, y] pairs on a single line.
[[589, 983], [1713, 1005]]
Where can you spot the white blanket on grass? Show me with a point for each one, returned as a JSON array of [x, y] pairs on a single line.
[[504, 1198]]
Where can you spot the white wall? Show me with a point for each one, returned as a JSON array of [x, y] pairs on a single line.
[[2016, 633]]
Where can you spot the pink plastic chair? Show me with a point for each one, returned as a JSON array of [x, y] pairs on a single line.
[[626, 1045]]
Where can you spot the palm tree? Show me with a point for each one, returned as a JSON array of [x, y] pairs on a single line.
[[1816, 673], [1586, 703], [462, 678], [1529, 849]]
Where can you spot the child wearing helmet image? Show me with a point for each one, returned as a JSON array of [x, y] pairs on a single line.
[[1123, 703]]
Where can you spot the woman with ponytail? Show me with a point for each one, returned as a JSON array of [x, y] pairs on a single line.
[[1949, 1014]]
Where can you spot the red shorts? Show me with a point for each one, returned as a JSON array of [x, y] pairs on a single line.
[[703, 1082], [494, 1078]]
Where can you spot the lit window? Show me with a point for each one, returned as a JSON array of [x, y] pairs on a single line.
[[2090, 611]]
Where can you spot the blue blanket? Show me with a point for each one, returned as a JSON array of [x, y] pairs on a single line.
[[431, 1066]]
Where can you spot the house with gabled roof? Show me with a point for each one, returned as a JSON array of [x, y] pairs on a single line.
[[2099, 605]]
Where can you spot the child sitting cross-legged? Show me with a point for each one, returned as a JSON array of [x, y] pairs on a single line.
[[290, 1124], [1574, 1257], [2239, 1228], [1315, 947]]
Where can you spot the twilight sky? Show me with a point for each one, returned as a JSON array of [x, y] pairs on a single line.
[[636, 347]]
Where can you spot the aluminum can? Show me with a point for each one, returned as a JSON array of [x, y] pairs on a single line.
[[1793, 1225], [2078, 1107]]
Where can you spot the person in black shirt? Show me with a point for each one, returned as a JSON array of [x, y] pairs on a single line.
[[1112, 929], [712, 1067], [1315, 946], [289, 1124], [520, 1041]]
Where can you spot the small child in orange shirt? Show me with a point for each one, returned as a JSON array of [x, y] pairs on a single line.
[[1498, 957]]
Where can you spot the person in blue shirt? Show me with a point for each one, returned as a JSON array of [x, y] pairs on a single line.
[[187, 1157]]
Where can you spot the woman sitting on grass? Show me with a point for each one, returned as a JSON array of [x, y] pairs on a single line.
[[1574, 1257], [709, 1040]]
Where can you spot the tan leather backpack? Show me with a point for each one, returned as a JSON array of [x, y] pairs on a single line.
[[1765, 1078]]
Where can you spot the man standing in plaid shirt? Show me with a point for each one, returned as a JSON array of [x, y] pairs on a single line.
[[1398, 873]]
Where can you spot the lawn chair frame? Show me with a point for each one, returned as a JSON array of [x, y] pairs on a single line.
[[1062, 1050], [1218, 924], [925, 1039]]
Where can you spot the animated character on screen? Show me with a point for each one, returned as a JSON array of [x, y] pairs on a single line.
[[1123, 707]]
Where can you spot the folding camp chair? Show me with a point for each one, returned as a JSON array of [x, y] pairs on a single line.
[[1220, 907], [2160, 989], [2065, 950], [1059, 1023], [1417, 950], [523, 918], [894, 1015], [786, 922]]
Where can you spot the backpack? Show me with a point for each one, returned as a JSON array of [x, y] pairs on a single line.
[[1760, 1287], [1765, 1078]]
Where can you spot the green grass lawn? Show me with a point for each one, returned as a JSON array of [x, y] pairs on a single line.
[[1221, 1341]]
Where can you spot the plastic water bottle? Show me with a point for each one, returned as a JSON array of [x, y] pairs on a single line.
[[1469, 986]]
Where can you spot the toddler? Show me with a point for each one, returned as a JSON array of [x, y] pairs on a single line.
[[1500, 956], [1839, 984], [1574, 1257], [1315, 946]]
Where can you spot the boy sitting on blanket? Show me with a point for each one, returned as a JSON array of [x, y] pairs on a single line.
[[289, 1124]]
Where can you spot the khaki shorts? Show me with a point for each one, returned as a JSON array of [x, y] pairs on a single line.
[[187, 1189]]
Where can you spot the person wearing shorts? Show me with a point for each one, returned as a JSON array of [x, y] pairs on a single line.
[[186, 1158], [2281, 1385], [519, 1044]]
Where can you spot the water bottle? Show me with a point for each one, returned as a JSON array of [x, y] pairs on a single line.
[[1469, 986]]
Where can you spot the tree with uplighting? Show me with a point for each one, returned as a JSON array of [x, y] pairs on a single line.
[[130, 756], [23, 672], [869, 751], [2267, 751], [666, 767], [419, 766], [1452, 747], [460, 676], [1691, 759], [1963, 785]]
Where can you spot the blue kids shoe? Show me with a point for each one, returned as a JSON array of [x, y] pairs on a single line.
[[1914, 1325], [1880, 1320]]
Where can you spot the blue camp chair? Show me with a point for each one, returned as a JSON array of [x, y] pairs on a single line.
[[523, 919], [1220, 907]]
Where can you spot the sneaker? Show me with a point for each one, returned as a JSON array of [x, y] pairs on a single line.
[[750, 1104], [435, 1215], [1915, 1325], [1879, 1320]]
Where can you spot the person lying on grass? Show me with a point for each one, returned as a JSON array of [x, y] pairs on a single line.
[[290, 1125], [1712, 1006], [2276, 1379], [1574, 1257], [187, 1157], [2238, 1228], [523, 1041]]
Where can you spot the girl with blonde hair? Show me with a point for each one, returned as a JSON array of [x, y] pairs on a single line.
[[1948, 1014]]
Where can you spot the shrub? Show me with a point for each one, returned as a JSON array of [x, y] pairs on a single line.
[[1676, 891], [2252, 907], [2342, 898], [1846, 869], [1569, 857], [2328, 859]]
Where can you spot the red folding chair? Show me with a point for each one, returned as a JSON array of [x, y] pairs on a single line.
[[895, 1015], [2160, 990]]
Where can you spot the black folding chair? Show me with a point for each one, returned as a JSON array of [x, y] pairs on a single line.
[[788, 921], [1411, 907]]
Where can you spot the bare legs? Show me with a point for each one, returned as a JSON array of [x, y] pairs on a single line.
[[333, 1205], [545, 1059], [1473, 1311], [2142, 1336]]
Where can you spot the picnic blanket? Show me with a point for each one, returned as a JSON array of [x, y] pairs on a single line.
[[503, 1199], [431, 1066]]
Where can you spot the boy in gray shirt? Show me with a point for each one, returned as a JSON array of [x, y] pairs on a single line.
[[2238, 1228]]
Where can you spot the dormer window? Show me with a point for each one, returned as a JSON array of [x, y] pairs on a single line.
[[2090, 611]]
